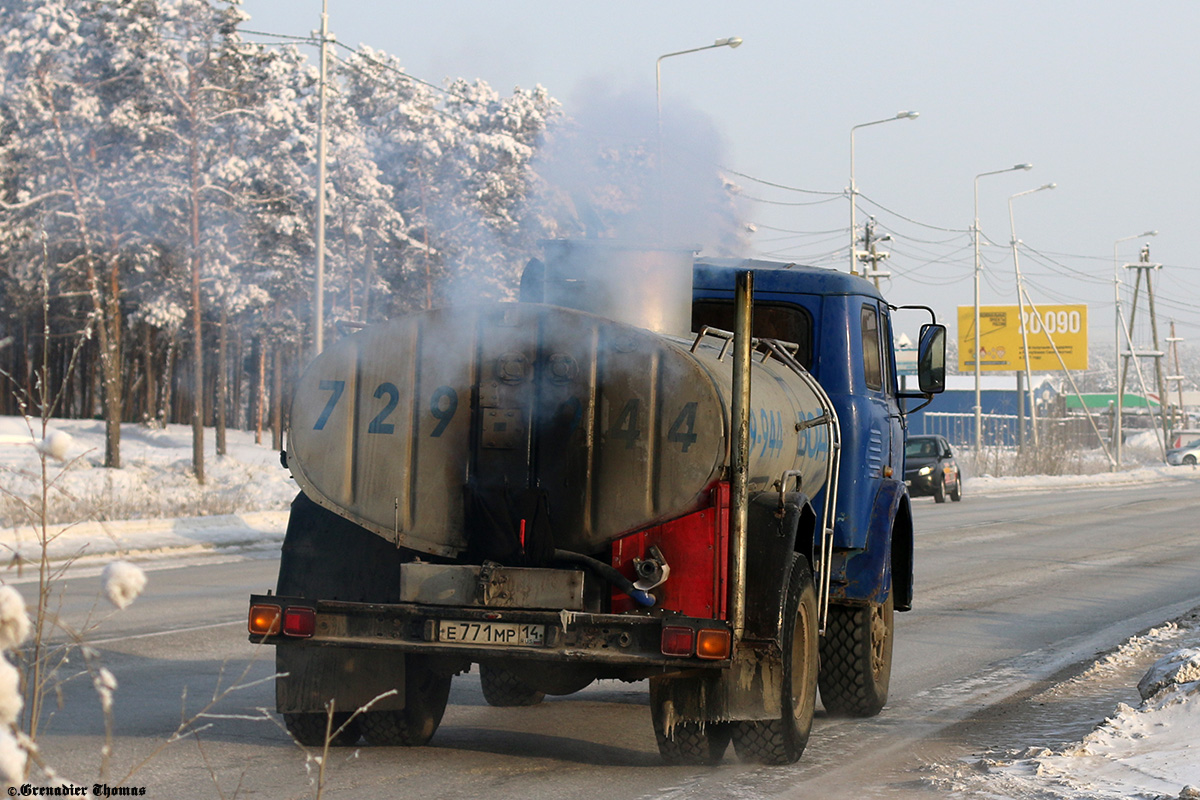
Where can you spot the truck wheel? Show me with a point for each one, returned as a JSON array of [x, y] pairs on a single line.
[[956, 492], [782, 741], [692, 743], [685, 741], [308, 729], [425, 696], [502, 687], [856, 659], [939, 491]]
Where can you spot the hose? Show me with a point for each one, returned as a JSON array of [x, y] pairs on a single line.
[[608, 573]]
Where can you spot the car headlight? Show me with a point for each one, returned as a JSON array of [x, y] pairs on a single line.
[[925, 470]]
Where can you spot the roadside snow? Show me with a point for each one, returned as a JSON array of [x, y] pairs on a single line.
[[1150, 751], [987, 484], [152, 505]]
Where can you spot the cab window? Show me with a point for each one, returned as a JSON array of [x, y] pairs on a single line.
[[781, 321], [872, 365]]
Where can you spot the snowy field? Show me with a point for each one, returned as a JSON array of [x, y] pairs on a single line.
[[155, 480], [153, 506]]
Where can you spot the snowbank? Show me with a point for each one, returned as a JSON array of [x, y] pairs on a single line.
[[1151, 751], [1047, 483], [153, 503]]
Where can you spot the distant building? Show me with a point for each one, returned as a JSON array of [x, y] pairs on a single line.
[[952, 413]]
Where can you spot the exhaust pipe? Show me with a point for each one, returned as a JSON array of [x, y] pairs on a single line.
[[739, 455]]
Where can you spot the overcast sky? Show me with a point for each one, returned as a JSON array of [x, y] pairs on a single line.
[[1100, 96]]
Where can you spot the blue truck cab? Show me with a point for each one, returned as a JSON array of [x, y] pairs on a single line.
[[843, 328]]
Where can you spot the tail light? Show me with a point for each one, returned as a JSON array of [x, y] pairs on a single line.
[[300, 621], [265, 620], [713, 643], [677, 641]]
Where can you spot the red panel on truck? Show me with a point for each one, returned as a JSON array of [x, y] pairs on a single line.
[[696, 547]]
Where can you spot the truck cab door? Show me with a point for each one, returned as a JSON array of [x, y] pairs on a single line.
[[879, 371]]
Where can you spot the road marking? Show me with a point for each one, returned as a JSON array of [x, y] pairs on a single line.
[[166, 632]]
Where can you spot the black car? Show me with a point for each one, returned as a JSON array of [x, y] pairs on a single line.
[[930, 468]]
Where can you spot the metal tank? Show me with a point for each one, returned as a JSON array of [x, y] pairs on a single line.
[[619, 426]]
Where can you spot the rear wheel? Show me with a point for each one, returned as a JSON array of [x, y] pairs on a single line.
[[425, 696], [1190, 460], [685, 741], [501, 687], [856, 659], [782, 741], [309, 729]]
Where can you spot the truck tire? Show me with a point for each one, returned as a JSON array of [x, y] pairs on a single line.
[[502, 688], [308, 729], [425, 696], [856, 659], [691, 743], [782, 741], [687, 741], [939, 491]]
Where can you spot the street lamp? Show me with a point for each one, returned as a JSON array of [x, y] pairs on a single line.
[[729, 41], [975, 236], [1117, 426], [1012, 227], [854, 189]]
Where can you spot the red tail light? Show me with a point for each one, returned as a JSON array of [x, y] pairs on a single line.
[[677, 641], [299, 621]]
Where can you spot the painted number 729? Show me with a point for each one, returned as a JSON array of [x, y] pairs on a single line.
[[442, 406]]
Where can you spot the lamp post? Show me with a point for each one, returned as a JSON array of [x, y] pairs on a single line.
[[1120, 407], [1012, 227], [854, 188], [729, 41], [975, 237]]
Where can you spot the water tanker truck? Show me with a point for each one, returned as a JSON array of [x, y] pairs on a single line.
[[652, 467]]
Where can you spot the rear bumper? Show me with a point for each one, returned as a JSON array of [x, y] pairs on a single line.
[[612, 640]]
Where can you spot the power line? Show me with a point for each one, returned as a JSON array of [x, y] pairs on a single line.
[[779, 185]]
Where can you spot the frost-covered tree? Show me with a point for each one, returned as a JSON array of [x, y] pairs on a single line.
[[161, 172], [459, 162], [67, 171]]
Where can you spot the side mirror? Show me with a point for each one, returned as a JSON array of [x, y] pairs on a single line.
[[931, 359]]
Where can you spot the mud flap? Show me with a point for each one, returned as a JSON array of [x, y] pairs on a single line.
[[351, 677], [751, 689]]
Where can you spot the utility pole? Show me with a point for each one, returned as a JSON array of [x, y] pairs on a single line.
[[1178, 413], [322, 136], [1144, 270], [871, 255]]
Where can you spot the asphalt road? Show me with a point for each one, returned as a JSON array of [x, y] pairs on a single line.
[[1012, 590]]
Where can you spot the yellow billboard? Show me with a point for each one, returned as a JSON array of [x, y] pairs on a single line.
[[999, 345]]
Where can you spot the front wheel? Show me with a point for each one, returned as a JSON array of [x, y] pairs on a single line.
[[782, 741], [956, 492], [856, 659], [1190, 460], [939, 491]]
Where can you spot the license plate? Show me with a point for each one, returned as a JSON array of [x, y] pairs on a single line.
[[506, 634]]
